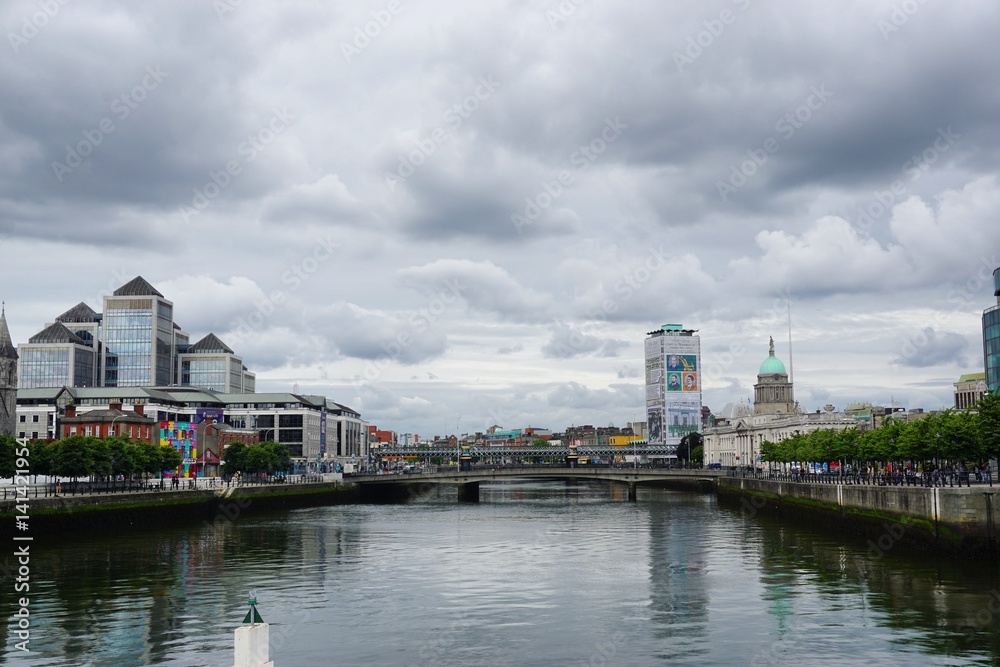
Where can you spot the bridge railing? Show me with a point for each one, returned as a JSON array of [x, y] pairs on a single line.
[[901, 478]]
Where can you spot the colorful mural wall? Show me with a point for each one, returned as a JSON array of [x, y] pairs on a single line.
[[182, 436]]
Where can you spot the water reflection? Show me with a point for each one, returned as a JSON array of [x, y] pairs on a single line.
[[537, 573]]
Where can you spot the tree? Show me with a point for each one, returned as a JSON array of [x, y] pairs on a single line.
[[280, 458], [74, 457], [687, 445], [988, 411], [126, 456], [170, 458], [42, 457], [256, 458], [8, 458], [234, 458], [148, 458], [540, 442]]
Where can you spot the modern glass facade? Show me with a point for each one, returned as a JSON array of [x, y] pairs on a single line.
[[991, 338], [991, 347], [56, 366], [138, 342], [128, 343], [209, 372]]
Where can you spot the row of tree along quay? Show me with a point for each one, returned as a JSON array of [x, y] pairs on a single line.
[[943, 448], [117, 463]]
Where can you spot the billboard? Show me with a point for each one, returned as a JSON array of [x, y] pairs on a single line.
[[673, 386]]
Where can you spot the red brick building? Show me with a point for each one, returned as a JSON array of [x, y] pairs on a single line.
[[132, 424]]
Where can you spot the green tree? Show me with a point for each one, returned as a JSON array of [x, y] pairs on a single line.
[[42, 457], [8, 456], [988, 422], [280, 458], [256, 458], [233, 460], [170, 458], [74, 457], [540, 442], [148, 458], [698, 456]]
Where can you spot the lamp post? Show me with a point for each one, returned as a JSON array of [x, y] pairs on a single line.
[[111, 429]]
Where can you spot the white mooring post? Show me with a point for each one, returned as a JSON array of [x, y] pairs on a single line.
[[251, 643]]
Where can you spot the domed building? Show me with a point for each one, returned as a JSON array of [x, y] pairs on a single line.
[[736, 439], [772, 395]]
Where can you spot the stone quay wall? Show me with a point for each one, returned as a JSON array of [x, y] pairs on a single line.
[[943, 519]]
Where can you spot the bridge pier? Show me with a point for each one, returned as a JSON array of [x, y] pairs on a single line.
[[631, 492], [468, 492]]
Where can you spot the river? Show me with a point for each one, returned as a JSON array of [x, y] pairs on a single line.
[[537, 573]]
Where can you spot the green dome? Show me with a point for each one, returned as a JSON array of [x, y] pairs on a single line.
[[771, 366]]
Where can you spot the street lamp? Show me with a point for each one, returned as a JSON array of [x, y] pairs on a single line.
[[111, 430]]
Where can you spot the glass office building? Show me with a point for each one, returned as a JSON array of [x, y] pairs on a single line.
[[138, 337], [991, 338]]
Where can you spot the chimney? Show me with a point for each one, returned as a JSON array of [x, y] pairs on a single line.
[[115, 406], [71, 411], [140, 409], [208, 420]]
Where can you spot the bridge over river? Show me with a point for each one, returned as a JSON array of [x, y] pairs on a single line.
[[399, 486]]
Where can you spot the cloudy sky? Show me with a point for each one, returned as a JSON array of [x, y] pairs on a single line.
[[450, 214]]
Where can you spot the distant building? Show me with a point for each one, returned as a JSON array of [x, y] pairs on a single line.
[[969, 389], [991, 338], [673, 384], [740, 429], [211, 364], [8, 379], [133, 343], [113, 421]]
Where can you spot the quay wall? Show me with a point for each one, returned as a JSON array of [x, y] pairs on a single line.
[[948, 520], [117, 511]]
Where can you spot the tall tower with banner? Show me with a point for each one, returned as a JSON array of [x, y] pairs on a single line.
[[673, 385]]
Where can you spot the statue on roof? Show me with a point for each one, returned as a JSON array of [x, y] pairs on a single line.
[[771, 351]]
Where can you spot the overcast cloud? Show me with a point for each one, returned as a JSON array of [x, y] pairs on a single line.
[[448, 215]]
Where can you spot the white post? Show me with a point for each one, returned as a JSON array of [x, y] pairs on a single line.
[[251, 646]]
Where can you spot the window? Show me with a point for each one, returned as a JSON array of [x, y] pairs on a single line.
[[72, 431], [22, 419], [34, 418], [88, 430], [34, 435]]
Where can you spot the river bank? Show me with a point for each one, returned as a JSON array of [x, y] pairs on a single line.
[[945, 520], [59, 515]]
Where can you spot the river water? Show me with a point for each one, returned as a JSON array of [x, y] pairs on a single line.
[[537, 573]]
